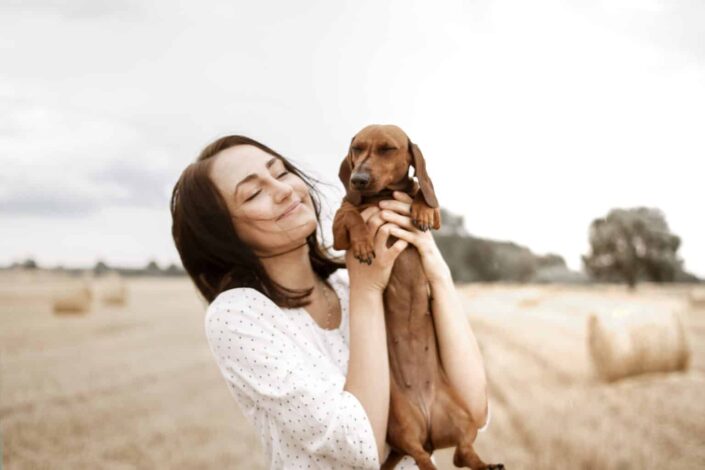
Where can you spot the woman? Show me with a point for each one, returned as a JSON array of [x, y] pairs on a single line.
[[301, 345]]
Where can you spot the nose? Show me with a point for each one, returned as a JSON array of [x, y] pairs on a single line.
[[360, 180], [282, 191]]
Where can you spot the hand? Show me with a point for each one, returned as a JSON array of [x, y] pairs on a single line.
[[398, 211], [374, 276]]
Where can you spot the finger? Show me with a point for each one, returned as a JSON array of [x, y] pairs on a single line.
[[402, 196], [382, 236], [397, 206], [400, 220], [398, 246], [374, 222], [403, 234], [367, 212]]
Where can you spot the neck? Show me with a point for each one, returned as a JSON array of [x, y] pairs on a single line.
[[290, 267]]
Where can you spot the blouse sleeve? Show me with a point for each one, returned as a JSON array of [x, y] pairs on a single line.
[[308, 406]]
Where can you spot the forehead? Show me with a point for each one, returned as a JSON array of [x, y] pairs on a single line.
[[241, 159], [381, 133], [233, 164]]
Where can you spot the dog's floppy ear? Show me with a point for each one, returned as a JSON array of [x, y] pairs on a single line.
[[425, 183], [344, 173]]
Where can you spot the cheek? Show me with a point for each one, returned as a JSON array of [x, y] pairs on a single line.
[[308, 200], [301, 189], [254, 233], [401, 168], [249, 222], [254, 212]]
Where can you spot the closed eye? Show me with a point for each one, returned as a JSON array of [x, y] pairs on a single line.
[[255, 194]]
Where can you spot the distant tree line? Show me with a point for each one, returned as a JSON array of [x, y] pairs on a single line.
[[150, 269], [101, 267], [626, 246], [473, 259]]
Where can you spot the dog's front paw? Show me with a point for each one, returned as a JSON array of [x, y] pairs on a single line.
[[424, 217], [363, 250]]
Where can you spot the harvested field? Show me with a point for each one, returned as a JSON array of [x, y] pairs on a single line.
[[134, 386]]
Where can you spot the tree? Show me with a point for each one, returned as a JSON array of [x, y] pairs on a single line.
[[631, 245], [29, 263], [100, 268], [152, 268]]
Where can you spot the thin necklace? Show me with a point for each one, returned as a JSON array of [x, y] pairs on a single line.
[[330, 306]]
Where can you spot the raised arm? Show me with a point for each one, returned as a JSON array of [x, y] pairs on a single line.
[[368, 364]]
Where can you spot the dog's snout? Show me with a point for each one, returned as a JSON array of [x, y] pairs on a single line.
[[360, 180]]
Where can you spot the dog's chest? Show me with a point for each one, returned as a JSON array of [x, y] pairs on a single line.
[[407, 298]]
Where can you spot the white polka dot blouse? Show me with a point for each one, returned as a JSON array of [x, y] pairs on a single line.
[[287, 374]]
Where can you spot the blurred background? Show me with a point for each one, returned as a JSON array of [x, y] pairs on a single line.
[[565, 143]]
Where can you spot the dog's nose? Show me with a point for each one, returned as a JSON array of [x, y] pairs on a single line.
[[360, 180]]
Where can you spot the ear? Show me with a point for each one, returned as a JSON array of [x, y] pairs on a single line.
[[344, 173], [425, 183]]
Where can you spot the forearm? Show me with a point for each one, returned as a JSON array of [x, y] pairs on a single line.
[[460, 353], [368, 365]]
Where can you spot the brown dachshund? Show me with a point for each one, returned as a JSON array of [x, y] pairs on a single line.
[[425, 411]]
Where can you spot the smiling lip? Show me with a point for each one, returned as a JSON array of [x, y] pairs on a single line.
[[289, 209]]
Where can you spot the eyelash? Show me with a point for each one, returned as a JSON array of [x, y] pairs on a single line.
[[255, 194]]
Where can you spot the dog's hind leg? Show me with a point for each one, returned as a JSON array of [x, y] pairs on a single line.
[[392, 460], [407, 430], [465, 456], [422, 458]]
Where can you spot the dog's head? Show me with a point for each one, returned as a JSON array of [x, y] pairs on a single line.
[[379, 157]]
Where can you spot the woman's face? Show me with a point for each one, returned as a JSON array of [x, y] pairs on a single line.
[[259, 191]]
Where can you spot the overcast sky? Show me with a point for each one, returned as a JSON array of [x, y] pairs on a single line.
[[534, 117]]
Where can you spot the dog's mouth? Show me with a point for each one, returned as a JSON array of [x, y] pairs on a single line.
[[377, 192], [387, 189]]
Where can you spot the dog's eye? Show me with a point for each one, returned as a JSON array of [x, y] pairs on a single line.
[[385, 149], [355, 149]]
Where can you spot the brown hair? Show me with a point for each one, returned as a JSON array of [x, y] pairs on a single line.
[[213, 255]]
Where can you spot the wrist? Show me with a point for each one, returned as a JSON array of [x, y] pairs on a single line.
[[366, 291], [442, 280]]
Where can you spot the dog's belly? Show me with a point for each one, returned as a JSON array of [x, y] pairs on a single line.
[[413, 354]]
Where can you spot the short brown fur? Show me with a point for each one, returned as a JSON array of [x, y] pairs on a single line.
[[425, 411]]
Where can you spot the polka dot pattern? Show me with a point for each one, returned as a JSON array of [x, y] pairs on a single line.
[[287, 375]]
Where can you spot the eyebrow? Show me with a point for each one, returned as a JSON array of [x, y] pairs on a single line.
[[252, 176]]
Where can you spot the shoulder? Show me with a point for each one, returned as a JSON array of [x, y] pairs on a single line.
[[240, 302]]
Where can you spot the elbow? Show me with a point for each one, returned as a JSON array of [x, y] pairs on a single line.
[[480, 410], [482, 417], [382, 447], [383, 451]]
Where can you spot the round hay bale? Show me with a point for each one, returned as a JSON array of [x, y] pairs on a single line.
[[74, 298], [697, 297], [633, 341], [113, 289]]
